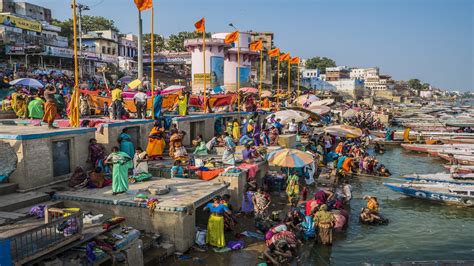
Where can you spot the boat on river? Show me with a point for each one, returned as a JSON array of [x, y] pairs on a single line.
[[462, 159], [460, 179], [460, 169], [441, 192], [426, 147]]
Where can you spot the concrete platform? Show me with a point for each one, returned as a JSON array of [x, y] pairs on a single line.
[[174, 216], [15, 201]]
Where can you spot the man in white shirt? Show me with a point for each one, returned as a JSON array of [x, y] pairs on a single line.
[[292, 127], [139, 99]]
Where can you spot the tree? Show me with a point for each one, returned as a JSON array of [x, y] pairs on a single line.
[[415, 84], [321, 63], [284, 75], [176, 41], [89, 23], [159, 42]]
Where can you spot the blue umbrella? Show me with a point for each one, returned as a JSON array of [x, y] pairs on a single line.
[[27, 82]]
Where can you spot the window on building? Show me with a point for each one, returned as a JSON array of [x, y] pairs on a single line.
[[113, 50], [108, 50], [103, 49], [61, 157]]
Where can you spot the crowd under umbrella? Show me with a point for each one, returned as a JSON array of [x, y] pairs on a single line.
[[287, 115], [290, 158], [27, 82], [343, 131]]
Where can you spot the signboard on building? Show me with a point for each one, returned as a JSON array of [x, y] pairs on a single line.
[[12, 21], [58, 51], [217, 71], [198, 79], [109, 58], [21, 50]]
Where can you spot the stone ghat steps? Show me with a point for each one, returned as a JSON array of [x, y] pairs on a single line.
[[7, 188], [15, 201]]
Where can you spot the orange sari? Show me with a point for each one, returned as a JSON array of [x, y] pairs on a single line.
[[156, 143], [50, 111]]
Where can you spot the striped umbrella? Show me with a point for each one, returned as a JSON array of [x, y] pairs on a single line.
[[290, 158]]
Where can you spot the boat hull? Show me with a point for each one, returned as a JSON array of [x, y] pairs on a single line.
[[431, 195]]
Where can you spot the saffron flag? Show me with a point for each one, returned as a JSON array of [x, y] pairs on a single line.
[[200, 25], [295, 60], [285, 57], [231, 37], [274, 52], [144, 4], [74, 108], [256, 45]]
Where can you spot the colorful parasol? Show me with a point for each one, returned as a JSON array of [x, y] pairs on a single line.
[[33, 83], [287, 115], [172, 89], [320, 110], [266, 93], [289, 158], [134, 84], [344, 131], [249, 90]]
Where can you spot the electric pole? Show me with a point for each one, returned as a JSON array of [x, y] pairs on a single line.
[[140, 46]]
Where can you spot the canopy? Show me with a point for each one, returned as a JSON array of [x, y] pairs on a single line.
[[134, 84], [320, 110], [172, 89], [287, 115], [326, 102], [349, 113], [306, 99], [290, 158], [33, 83], [266, 93], [249, 90], [344, 131]]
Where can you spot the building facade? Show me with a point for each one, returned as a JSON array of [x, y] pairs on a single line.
[[267, 40], [127, 53], [337, 73]]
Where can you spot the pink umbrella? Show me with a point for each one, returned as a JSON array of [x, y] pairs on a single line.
[[249, 90], [266, 93], [320, 110], [172, 89]]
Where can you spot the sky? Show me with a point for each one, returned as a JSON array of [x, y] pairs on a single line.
[[432, 40]]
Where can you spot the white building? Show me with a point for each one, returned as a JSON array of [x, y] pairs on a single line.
[[351, 87], [357, 73]]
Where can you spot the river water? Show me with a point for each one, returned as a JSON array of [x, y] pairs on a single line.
[[418, 230]]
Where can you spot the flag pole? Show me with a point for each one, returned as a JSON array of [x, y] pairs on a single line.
[[289, 78], [76, 72], [278, 83], [238, 74], [261, 68], [298, 76], [204, 65], [152, 62]]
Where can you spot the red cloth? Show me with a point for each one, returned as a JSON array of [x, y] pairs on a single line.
[[251, 169]]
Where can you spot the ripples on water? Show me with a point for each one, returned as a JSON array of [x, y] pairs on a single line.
[[418, 229]]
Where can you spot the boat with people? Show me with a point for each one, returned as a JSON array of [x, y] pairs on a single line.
[[441, 192]]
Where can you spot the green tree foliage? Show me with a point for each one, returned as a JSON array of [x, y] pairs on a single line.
[[415, 84], [159, 43], [284, 75], [321, 63], [89, 23], [176, 41]]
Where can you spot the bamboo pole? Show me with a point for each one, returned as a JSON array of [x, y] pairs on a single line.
[[152, 62]]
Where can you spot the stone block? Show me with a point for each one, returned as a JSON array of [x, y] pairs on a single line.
[[287, 141]]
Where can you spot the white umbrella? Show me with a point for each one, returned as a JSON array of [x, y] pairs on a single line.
[[306, 99], [27, 82], [287, 115]]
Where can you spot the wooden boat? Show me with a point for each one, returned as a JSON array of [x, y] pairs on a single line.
[[436, 152], [457, 141], [365, 175], [467, 179], [461, 169], [388, 142], [426, 147], [441, 192], [462, 159]]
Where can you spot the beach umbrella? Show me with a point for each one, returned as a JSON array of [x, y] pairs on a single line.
[[319, 109], [266, 93], [27, 82], [172, 89], [343, 131], [249, 90], [306, 99], [349, 113], [125, 79], [289, 158], [287, 115], [134, 84], [325, 102]]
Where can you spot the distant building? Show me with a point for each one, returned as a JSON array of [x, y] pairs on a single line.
[[310, 79], [127, 51], [267, 40], [33, 11], [357, 73], [102, 43], [351, 87], [337, 73]]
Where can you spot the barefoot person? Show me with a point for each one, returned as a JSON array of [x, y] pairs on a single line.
[[121, 163], [50, 108]]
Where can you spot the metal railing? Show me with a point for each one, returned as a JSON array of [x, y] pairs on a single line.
[[60, 228]]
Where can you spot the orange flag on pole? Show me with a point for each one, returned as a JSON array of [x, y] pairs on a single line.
[[256, 45], [231, 37], [295, 60], [200, 25], [285, 57], [274, 52], [144, 4]]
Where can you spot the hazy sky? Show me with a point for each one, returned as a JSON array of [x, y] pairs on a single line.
[[432, 40]]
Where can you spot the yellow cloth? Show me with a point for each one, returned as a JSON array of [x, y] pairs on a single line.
[[236, 131], [406, 134], [182, 105], [116, 94], [50, 111], [19, 104], [266, 103], [155, 146], [373, 205], [215, 231]]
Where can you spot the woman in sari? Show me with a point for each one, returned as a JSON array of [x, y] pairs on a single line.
[[292, 188], [35, 108], [182, 105], [215, 225], [156, 142], [256, 134], [228, 128], [126, 144], [325, 221], [229, 153], [96, 153], [261, 202], [19, 104], [157, 104], [121, 162], [235, 130]]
